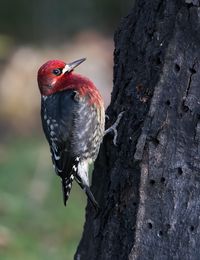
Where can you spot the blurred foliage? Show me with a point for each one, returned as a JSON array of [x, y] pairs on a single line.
[[56, 20], [5, 46], [34, 224]]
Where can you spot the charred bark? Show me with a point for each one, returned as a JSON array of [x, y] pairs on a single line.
[[148, 186]]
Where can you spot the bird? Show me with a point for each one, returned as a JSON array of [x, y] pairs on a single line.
[[73, 121]]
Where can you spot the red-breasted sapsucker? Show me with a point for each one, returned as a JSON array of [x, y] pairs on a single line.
[[73, 119]]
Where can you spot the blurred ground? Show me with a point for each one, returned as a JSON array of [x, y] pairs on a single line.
[[34, 224]]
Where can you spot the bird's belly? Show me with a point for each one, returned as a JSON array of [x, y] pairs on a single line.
[[88, 133]]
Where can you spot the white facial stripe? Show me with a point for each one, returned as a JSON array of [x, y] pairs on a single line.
[[67, 68], [53, 82]]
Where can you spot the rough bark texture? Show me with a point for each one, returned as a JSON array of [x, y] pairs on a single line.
[[148, 186]]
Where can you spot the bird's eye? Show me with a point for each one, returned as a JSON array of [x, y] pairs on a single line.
[[57, 72]]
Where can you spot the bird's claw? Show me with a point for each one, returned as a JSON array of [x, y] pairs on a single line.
[[114, 128], [107, 116]]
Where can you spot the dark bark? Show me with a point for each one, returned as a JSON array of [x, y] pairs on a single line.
[[148, 186]]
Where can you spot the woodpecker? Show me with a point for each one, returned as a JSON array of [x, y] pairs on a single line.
[[73, 118]]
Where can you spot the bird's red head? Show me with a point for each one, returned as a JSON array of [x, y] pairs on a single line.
[[52, 73]]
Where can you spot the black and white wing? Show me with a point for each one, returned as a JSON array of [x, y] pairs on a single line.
[[57, 115]]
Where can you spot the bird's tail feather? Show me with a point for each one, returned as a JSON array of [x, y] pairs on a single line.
[[91, 198], [66, 187], [88, 192]]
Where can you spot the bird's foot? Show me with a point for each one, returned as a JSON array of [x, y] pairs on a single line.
[[113, 128]]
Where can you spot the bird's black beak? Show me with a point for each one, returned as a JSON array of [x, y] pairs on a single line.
[[70, 66]]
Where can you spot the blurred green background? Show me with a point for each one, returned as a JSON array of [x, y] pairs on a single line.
[[34, 224]]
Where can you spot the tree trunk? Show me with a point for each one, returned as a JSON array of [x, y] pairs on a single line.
[[148, 187]]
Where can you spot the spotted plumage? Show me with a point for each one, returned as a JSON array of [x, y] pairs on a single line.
[[72, 115]]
